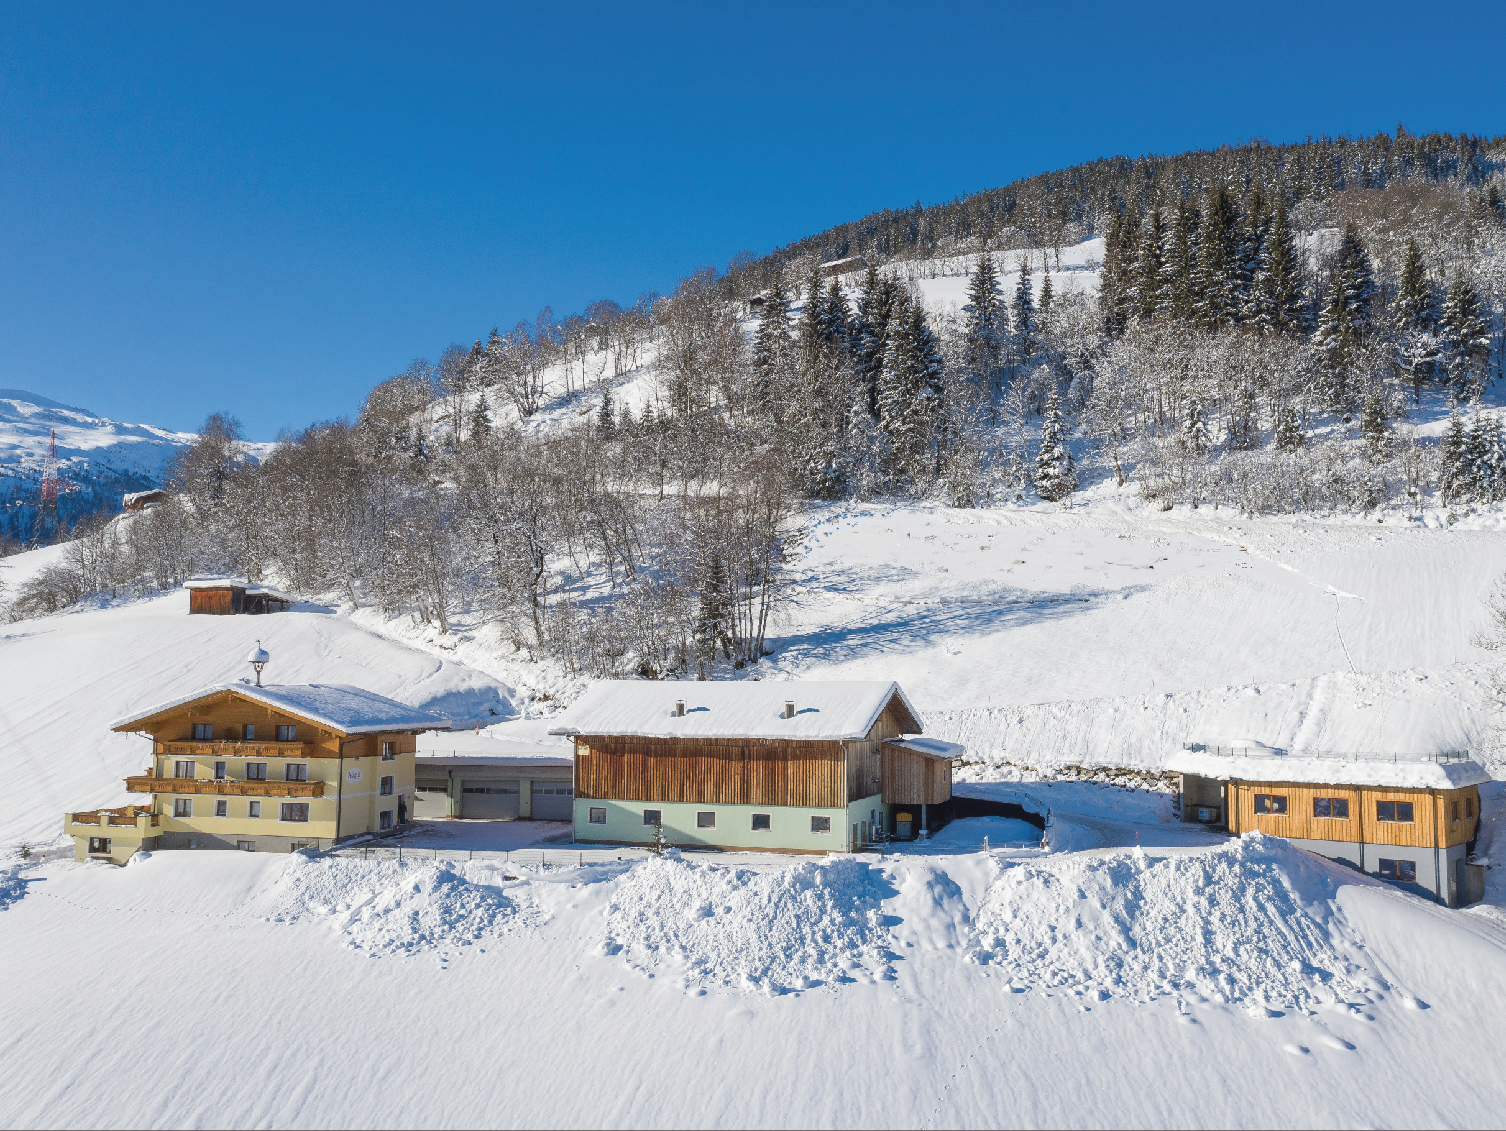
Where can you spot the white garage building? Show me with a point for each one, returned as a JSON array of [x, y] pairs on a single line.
[[477, 778]]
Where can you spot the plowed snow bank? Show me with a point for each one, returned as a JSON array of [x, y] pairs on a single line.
[[1252, 922], [401, 907], [794, 928]]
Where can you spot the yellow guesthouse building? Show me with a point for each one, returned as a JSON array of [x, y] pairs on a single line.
[[262, 769]]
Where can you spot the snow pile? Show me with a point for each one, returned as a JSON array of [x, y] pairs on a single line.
[[1252, 922], [788, 929], [400, 907]]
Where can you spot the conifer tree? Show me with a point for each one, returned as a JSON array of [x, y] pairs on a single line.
[[986, 324], [1278, 284], [1195, 437], [606, 424], [1416, 322], [1149, 279], [1373, 433], [909, 390], [1465, 339], [771, 342], [1288, 430], [835, 318], [812, 334], [1453, 453], [1116, 294], [1335, 340], [1179, 264], [1023, 328], [1044, 317], [481, 418], [1215, 298], [870, 334], [1356, 278], [1253, 231], [1055, 474]]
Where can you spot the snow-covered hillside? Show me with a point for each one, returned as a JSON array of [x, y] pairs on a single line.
[[85, 441]]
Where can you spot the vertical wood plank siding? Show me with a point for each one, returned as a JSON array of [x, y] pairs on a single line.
[[1428, 827], [724, 771], [914, 779]]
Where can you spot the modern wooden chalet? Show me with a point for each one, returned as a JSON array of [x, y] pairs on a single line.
[[262, 769], [226, 597], [790, 767], [1412, 822]]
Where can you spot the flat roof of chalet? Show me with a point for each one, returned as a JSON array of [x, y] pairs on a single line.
[[1360, 771], [338, 706], [741, 708], [930, 747]]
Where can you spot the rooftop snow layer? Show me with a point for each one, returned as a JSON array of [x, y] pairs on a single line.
[[349, 710], [930, 747], [236, 583], [737, 709], [1328, 771]]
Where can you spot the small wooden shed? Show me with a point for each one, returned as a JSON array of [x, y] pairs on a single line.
[[844, 266], [228, 596], [143, 500]]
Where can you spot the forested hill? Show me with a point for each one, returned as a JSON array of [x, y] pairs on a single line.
[[1063, 207]]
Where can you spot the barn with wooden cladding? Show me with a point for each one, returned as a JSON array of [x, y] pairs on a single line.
[[785, 767], [1410, 820]]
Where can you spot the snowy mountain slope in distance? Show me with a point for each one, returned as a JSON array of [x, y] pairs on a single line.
[[66, 677]]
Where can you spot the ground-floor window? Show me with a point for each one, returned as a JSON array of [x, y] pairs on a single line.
[[99, 845], [760, 822], [1272, 803], [820, 824], [1398, 811], [295, 811], [182, 806], [653, 816], [705, 820], [598, 816], [246, 845], [1334, 808], [384, 819], [1405, 870]]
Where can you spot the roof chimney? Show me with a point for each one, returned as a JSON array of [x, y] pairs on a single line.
[[679, 708], [789, 708]]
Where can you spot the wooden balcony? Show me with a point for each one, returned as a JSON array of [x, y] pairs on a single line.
[[230, 748], [124, 817], [225, 787]]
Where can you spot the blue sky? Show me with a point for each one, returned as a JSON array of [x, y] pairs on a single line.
[[268, 208]]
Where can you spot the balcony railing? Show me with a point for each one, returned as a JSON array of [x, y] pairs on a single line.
[[1441, 757], [225, 787], [124, 817], [232, 748]]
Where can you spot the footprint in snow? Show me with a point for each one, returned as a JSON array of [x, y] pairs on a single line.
[[1335, 1043], [1296, 1050]]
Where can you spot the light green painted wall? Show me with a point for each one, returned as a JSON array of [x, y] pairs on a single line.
[[789, 826]]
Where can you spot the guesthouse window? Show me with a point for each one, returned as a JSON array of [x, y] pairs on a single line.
[[705, 820], [99, 845], [760, 822], [389, 751], [295, 811], [183, 769], [1469, 808], [287, 734], [203, 732], [1272, 803], [387, 785], [598, 816], [1403, 870], [182, 806], [1334, 808], [222, 808], [1398, 811], [295, 771], [653, 816], [385, 820], [219, 771], [253, 808], [248, 734], [820, 824], [256, 771], [1453, 812], [246, 845]]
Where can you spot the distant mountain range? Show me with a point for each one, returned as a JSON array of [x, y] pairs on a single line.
[[88, 444]]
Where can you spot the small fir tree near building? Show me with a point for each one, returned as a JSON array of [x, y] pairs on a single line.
[[1055, 473], [986, 324], [1453, 459], [1465, 338], [1288, 430], [1373, 432]]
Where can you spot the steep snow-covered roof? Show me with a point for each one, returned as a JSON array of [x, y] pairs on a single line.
[[342, 708], [735, 709], [1328, 771], [930, 747]]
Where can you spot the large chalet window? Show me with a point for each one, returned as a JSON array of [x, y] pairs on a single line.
[[1334, 808], [1273, 804], [295, 811], [203, 732], [1397, 811], [182, 806], [99, 845], [256, 771], [248, 732], [1403, 870], [287, 734], [389, 751], [387, 783], [295, 771]]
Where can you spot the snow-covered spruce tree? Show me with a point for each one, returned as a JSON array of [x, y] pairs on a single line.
[[1149, 276], [1215, 297], [1178, 263], [1250, 238], [1288, 431], [1044, 314], [1356, 277], [1116, 293], [1373, 432], [985, 326], [1416, 322], [1453, 459], [606, 423], [1055, 475], [1491, 455], [1242, 425], [812, 332], [1464, 339], [1334, 341], [870, 334], [481, 418], [1023, 325], [1194, 436], [1278, 283], [836, 319], [772, 345], [908, 401]]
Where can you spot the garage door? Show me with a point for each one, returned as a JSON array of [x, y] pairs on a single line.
[[553, 801], [429, 801], [490, 800]]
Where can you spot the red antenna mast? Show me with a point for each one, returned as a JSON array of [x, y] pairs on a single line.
[[52, 485]]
